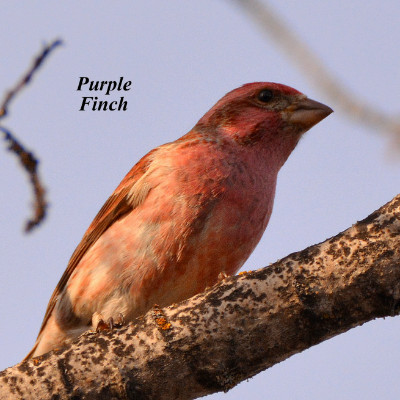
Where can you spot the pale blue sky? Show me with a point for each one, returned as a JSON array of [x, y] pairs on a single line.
[[181, 57]]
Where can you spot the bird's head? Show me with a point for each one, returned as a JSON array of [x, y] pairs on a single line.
[[264, 114]]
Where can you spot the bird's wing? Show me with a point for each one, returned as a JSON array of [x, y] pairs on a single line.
[[130, 193]]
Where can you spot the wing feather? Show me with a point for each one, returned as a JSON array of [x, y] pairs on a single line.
[[130, 193]]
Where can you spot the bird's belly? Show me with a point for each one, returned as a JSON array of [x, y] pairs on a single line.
[[226, 239], [145, 259]]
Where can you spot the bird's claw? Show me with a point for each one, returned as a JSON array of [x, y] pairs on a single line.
[[101, 324], [222, 275]]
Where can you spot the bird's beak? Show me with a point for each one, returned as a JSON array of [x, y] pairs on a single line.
[[305, 113]]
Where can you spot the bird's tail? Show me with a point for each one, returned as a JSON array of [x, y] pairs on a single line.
[[32, 352], [50, 337]]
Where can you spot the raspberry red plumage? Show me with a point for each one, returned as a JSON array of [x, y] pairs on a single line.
[[186, 212]]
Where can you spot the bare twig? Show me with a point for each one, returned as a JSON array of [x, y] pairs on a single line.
[[27, 158], [27, 76], [317, 72]]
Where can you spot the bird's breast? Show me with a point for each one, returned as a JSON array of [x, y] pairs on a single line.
[[198, 220]]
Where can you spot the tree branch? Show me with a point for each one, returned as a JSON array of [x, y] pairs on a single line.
[[27, 159], [317, 73], [243, 325]]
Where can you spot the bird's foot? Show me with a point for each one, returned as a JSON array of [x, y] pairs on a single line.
[[222, 275], [99, 323]]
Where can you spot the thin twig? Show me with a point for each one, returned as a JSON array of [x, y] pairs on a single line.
[[28, 160], [316, 71], [27, 76]]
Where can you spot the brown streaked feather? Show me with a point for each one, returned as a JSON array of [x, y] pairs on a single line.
[[118, 204]]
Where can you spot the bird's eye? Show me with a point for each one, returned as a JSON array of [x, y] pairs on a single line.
[[265, 95]]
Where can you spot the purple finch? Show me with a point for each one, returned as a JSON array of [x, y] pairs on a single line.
[[188, 212]]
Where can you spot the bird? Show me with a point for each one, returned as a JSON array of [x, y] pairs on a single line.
[[188, 213]]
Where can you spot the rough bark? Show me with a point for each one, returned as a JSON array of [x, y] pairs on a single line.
[[238, 328]]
